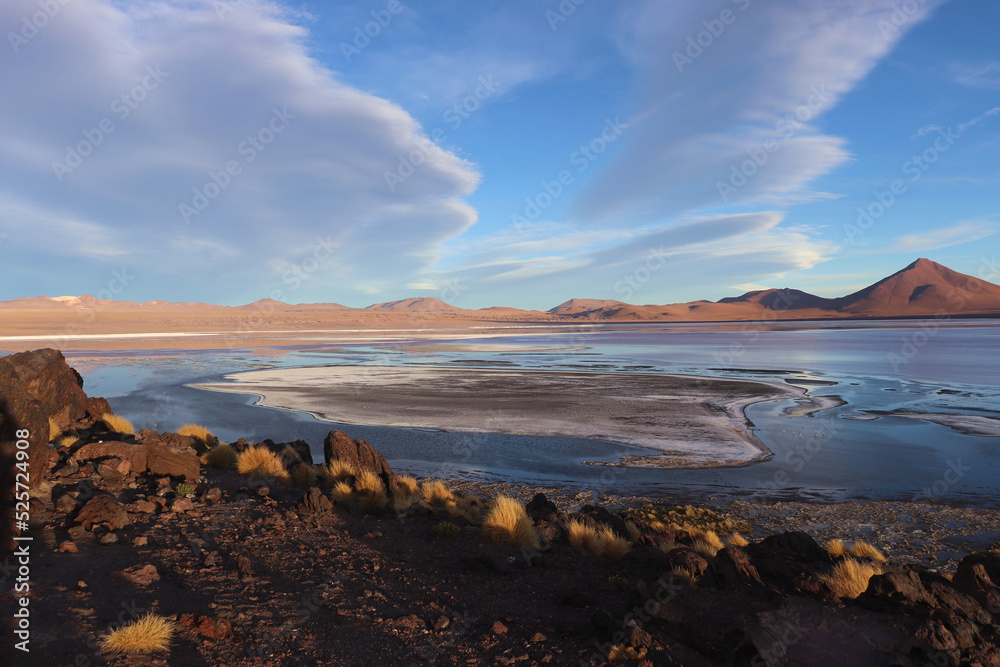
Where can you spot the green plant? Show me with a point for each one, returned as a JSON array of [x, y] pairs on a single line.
[[446, 529], [184, 489]]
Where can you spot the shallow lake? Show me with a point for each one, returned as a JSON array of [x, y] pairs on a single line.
[[939, 367]]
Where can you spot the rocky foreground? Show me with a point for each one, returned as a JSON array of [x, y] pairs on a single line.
[[292, 567]]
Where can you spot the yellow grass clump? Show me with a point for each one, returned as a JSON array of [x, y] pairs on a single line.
[[705, 549], [405, 492], [291, 453], [508, 522], [371, 490], [599, 542], [623, 653], [633, 531], [737, 540], [146, 634], [261, 462], [222, 456], [470, 507], [836, 548], [685, 576], [339, 469], [197, 431], [54, 430], [304, 475], [849, 578], [118, 424], [437, 494], [68, 440], [865, 550], [342, 492]]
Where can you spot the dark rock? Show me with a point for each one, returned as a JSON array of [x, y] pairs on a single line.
[[314, 501], [67, 547], [107, 539], [213, 495], [168, 461], [45, 375], [541, 508], [730, 568], [687, 559], [360, 454], [97, 406], [635, 636], [181, 505], [979, 577], [214, 628], [605, 626], [102, 508], [140, 575], [782, 560], [140, 541], [498, 628], [182, 441], [65, 504], [301, 448]]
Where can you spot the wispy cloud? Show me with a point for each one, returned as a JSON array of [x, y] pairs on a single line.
[[962, 232]]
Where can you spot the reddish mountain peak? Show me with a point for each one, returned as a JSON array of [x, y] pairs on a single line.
[[423, 304], [581, 305]]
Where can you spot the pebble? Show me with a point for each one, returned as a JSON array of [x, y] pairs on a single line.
[[499, 628]]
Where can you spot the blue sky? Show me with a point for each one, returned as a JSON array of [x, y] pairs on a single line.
[[493, 153]]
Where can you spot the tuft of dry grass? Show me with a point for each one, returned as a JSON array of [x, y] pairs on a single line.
[[599, 542], [849, 578], [290, 453], [118, 424], [508, 522], [340, 469], [836, 548], [864, 550], [342, 492], [737, 540], [623, 653], [705, 549], [470, 507], [405, 493], [54, 430], [613, 546], [221, 456], [146, 634], [633, 531], [68, 440], [371, 490], [304, 475], [437, 494], [685, 576], [666, 546], [197, 431], [261, 462]]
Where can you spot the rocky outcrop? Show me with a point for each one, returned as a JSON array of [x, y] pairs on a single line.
[[339, 446], [155, 459]]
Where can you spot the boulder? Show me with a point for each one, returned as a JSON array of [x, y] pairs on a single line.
[[360, 454], [172, 462], [314, 501], [541, 509], [95, 451], [596, 516], [157, 460], [301, 448], [45, 375], [102, 508], [730, 568]]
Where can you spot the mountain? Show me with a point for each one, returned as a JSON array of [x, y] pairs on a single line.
[[415, 305], [922, 289]]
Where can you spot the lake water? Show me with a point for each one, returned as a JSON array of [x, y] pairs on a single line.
[[947, 367]]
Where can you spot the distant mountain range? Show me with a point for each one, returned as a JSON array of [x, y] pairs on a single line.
[[924, 288]]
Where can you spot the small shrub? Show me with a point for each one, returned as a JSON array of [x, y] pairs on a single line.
[[342, 492], [289, 453], [666, 546], [221, 456], [407, 485], [685, 576], [737, 540], [612, 545], [437, 494], [339, 469], [583, 536], [623, 653], [146, 634], [836, 548], [865, 550], [508, 522], [405, 493], [470, 507], [184, 489], [118, 424], [261, 462], [849, 578], [68, 440], [446, 529], [371, 490], [304, 475]]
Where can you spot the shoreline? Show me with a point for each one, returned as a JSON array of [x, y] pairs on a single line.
[[705, 417]]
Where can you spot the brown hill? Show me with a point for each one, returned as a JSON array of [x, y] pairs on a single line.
[[415, 305]]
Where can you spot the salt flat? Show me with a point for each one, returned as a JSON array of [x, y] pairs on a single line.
[[689, 421]]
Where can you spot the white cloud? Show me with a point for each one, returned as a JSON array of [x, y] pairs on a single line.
[[199, 92], [977, 75], [963, 232], [732, 119]]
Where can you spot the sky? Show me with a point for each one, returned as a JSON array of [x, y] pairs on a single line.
[[511, 152]]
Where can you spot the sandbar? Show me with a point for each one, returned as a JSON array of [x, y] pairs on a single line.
[[685, 421]]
